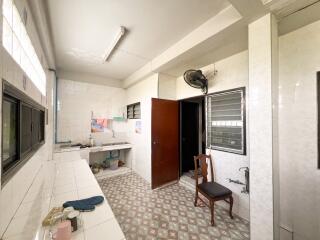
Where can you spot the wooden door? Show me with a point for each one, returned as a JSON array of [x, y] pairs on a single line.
[[165, 142]]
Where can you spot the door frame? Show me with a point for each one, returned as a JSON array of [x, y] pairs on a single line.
[[180, 125]]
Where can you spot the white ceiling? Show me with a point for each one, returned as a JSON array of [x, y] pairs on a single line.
[[82, 30]]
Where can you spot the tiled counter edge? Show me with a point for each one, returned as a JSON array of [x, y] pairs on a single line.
[[58, 181]]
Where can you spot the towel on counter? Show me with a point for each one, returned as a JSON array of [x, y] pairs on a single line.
[[85, 205]]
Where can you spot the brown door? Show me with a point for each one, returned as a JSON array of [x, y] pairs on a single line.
[[165, 141]]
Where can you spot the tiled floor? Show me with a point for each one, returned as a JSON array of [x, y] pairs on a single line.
[[166, 213]]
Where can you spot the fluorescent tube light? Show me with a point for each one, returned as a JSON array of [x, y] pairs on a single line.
[[118, 36]]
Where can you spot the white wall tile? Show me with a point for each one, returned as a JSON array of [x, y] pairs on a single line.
[[261, 80], [78, 100], [299, 62], [12, 194]]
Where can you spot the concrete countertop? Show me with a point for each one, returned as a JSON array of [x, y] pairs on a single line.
[[102, 148]]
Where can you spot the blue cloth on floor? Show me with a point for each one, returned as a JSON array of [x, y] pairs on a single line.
[[84, 205]]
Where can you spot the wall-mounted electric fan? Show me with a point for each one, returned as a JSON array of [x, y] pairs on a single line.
[[196, 79]]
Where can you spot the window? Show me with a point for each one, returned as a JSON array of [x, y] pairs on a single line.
[[226, 121], [23, 126], [9, 132], [133, 111], [26, 134], [16, 41]]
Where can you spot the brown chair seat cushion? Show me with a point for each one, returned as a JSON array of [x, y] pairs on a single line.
[[214, 189]]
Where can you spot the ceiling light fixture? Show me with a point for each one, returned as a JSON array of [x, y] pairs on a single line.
[[117, 38]]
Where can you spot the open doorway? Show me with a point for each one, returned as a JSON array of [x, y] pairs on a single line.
[[192, 133]]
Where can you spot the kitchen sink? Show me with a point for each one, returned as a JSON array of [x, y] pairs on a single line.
[[116, 143]]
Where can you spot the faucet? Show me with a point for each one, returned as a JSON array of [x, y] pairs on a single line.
[[113, 134], [246, 188], [235, 181], [91, 141]]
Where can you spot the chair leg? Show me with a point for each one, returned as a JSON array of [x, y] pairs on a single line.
[[196, 198], [231, 205], [212, 212]]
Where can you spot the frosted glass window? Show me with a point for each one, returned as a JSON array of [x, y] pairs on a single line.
[[34, 76], [7, 36], [28, 48], [28, 67], [7, 11], [24, 38], [16, 41], [16, 49], [24, 59], [17, 24]]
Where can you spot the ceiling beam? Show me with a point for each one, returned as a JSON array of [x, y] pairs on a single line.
[[207, 30], [249, 9]]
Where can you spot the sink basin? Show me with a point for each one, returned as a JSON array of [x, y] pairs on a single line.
[[65, 146], [116, 143]]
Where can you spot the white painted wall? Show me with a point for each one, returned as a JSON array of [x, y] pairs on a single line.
[[299, 60], [141, 153], [232, 73], [167, 86], [13, 192], [78, 100]]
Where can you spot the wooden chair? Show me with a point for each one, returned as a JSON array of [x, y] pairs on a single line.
[[211, 190]]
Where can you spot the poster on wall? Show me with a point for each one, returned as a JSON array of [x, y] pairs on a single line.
[[138, 127], [99, 125]]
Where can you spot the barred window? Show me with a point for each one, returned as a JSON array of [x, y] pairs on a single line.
[[226, 121]]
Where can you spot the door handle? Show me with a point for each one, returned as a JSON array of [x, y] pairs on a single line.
[[155, 142]]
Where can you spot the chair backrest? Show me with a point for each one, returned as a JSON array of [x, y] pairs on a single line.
[[202, 159]]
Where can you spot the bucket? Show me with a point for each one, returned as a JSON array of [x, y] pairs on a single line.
[[114, 164]]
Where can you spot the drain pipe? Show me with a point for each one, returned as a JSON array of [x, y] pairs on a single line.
[[56, 110]]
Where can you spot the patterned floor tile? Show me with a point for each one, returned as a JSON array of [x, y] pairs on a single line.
[[166, 213]]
